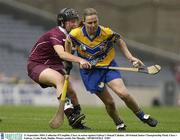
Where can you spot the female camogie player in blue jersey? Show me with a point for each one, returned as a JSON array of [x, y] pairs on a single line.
[[95, 44]]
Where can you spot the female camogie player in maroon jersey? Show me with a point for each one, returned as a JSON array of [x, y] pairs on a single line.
[[45, 62]]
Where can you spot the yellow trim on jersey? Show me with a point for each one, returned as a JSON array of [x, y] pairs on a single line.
[[107, 60]]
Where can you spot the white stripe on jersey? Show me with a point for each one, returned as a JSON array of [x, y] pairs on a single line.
[[63, 30], [56, 39]]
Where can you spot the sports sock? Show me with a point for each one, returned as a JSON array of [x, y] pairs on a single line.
[[118, 122], [68, 107], [140, 115], [77, 109], [68, 112]]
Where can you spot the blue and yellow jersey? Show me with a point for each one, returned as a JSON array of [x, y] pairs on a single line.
[[99, 49]]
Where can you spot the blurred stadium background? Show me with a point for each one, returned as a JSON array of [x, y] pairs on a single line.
[[150, 28]]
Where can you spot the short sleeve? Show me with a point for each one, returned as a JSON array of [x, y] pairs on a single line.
[[57, 39]]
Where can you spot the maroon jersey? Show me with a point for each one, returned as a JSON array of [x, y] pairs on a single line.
[[43, 55], [43, 51]]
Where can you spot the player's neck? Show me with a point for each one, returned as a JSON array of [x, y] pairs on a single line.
[[91, 34]]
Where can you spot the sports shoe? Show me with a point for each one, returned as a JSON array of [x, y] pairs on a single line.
[[121, 127], [81, 125], [149, 120], [75, 119]]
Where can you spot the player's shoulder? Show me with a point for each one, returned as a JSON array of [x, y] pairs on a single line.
[[53, 32], [106, 30], [75, 32]]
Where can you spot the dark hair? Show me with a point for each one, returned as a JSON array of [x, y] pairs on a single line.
[[81, 23]]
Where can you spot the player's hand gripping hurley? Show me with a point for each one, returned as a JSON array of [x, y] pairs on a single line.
[[58, 118]]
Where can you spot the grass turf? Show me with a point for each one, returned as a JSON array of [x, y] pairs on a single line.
[[35, 119]]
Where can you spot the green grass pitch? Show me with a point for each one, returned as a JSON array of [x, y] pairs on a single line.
[[35, 119]]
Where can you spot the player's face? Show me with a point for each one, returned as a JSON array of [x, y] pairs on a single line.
[[71, 24], [91, 22]]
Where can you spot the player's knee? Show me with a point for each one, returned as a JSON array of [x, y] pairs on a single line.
[[125, 97], [123, 93], [59, 81]]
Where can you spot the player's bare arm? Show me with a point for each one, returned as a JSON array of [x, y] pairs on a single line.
[[69, 57], [135, 61]]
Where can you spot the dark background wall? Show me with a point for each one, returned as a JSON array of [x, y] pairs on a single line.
[[154, 22]]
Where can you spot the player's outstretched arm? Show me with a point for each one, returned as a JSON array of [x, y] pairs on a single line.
[[135, 61]]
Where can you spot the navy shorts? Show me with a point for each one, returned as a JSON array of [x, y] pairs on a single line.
[[95, 79]]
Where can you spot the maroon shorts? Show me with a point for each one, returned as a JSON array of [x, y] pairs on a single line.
[[34, 70]]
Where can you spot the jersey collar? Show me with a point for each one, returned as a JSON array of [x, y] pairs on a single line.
[[86, 34], [63, 30]]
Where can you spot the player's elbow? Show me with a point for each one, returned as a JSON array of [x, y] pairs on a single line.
[[63, 55]]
